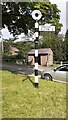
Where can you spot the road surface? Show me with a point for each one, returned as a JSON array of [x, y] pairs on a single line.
[[24, 69]]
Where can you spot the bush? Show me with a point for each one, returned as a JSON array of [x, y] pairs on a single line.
[[8, 58]]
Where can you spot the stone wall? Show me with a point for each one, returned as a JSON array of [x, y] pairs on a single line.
[[43, 60], [31, 59]]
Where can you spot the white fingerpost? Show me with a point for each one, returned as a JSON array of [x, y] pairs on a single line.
[[36, 15], [36, 54]]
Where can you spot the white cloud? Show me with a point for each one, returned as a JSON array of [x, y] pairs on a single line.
[[6, 34], [62, 6]]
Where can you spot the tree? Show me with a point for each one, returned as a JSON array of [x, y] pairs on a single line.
[[50, 14], [24, 48], [6, 46], [66, 45], [17, 16], [56, 43]]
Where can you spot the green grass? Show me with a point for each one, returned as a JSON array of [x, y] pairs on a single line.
[[20, 99]]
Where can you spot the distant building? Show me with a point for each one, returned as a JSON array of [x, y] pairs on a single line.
[[14, 50], [45, 57]]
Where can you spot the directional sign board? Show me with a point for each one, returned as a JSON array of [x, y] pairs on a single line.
[[46, 28]]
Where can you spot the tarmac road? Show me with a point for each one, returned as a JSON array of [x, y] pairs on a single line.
[[24, 69], [18, 68]]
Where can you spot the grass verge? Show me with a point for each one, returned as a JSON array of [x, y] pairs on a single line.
[[20, 99]]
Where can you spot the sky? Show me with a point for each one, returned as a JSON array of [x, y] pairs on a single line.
[[61, 5], [67, 15], [6, 34]]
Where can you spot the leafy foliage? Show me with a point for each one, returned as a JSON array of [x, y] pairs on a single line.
[[24, 47], [17, 16], [66, 44], [56, 43], [50, 40]]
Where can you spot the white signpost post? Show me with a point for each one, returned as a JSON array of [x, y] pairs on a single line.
[[36, 15]]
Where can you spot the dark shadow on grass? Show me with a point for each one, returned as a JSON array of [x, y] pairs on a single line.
[[27, 77]]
